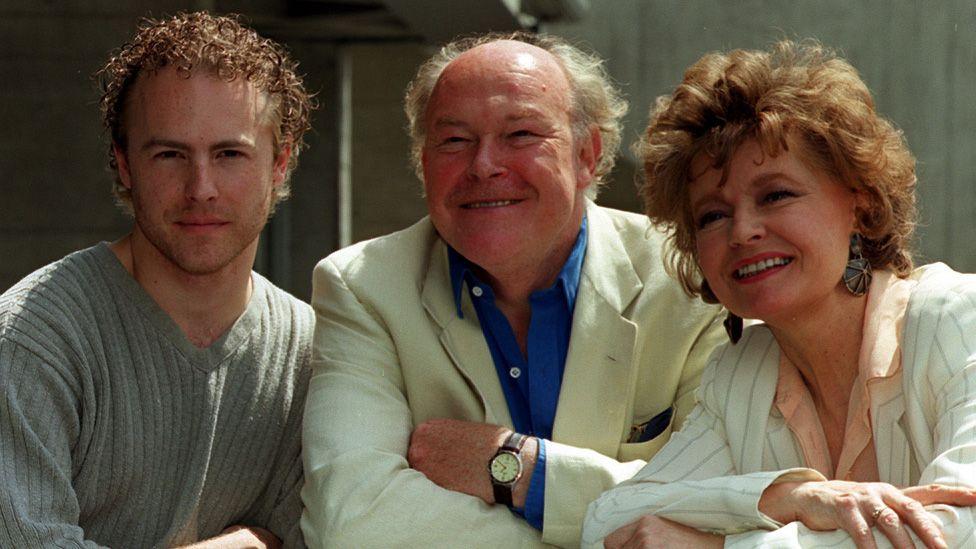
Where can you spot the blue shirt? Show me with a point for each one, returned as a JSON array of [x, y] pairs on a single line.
[[530, 383]]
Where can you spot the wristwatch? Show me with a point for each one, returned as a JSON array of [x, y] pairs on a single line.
[[505, 468]]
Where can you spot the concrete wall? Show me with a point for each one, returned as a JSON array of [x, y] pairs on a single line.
[[918, 58], [386, 195], [56, 184]]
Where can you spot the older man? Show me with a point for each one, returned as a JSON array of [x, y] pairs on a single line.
[[151, 389], [480, 377]]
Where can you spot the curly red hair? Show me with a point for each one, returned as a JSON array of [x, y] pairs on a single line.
[[795, 92]]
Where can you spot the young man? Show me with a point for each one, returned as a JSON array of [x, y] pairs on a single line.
[[517, 306], [151, 389]]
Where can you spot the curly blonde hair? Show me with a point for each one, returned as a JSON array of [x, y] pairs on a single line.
[[798, 90], [596, 101], [225, 48]]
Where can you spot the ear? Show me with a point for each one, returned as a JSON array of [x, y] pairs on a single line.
[[123, 165], [858, 205], [280, 169], [588, 151]]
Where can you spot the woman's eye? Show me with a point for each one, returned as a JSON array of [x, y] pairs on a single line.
[[708, 218], [776, 196]]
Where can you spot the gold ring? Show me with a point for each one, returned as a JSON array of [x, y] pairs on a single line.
[[877, 513]]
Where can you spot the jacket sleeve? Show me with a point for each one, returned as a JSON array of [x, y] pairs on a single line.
[[692, 480], [577, 476], [359, 488], [39, 425]]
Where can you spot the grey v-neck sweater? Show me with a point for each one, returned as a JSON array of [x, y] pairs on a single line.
[[116, 431]]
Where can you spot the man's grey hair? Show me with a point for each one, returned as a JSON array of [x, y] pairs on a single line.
[[596, 101]]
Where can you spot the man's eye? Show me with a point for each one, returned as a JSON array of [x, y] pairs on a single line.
[[522, 133], [708, 218], [167, 154], [452, 143], [230, 153]]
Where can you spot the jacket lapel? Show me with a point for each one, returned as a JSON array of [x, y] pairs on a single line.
[[598, 381], [462, 338], [890, 441]]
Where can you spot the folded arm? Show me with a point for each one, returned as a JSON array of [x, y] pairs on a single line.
[[359, 487]]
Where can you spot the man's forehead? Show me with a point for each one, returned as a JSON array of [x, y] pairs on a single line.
[[176, 85], [488, 60]]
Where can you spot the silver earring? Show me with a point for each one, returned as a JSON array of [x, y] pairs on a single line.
[[857, 274]]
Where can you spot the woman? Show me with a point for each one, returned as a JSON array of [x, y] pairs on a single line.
[[853, 404]]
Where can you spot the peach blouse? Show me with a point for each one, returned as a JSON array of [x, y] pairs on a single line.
[[880, 358]]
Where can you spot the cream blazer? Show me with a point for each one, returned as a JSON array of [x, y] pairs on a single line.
[[735, 444], [391, 352]]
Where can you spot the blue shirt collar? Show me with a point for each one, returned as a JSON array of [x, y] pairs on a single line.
[[462, 270]]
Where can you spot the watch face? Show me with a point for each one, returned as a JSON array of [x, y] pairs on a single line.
[[505, 467]]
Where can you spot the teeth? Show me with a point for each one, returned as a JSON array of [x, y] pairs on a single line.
[[760, 266], [491, 204]]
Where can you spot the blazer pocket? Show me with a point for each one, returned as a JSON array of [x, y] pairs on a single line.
[[648, 437], [630, 451]]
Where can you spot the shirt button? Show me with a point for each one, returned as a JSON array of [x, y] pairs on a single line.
[[477, 291], [515, 372]]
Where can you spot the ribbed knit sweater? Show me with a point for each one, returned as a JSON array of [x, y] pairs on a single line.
[[116, 431]]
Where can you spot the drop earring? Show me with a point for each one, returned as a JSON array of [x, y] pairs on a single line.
[[733, 327], [857, 273], [732, 322]]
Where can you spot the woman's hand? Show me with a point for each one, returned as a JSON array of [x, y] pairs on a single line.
[[650, 531], [857, 506]]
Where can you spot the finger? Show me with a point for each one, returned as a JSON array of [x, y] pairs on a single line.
[[620, 536], [914, 516], [938, 493], [893, 528], [852, 520]]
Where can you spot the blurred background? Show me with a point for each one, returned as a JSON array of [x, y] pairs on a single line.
[[355, 182]]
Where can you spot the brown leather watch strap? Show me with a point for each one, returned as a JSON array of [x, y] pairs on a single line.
[[503, 491]]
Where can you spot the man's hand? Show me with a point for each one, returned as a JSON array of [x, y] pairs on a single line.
[[240, 537], [454, 454], [650, 531]]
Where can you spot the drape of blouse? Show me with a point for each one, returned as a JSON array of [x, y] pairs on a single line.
[[880, 358]]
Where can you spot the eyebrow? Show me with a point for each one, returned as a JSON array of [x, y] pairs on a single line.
[[758, 181], [515, 117], [179, 145]]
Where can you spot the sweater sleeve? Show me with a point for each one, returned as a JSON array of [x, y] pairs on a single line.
[[280, 506], [39, 427]]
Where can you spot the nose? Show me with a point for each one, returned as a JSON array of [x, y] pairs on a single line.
[[200, 185], [746, 228], [487, 161]]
